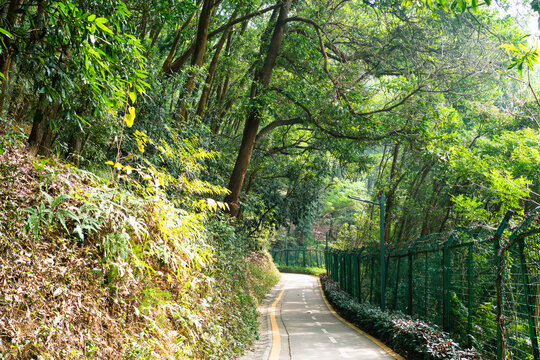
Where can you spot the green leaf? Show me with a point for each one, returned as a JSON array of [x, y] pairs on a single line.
[[57, 200], [92, 17], [100, 23], [60, 218], [5, 32], [132, 96]]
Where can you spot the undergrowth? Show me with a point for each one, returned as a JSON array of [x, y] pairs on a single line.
[[316, 271], [100, 269], [414, 339]]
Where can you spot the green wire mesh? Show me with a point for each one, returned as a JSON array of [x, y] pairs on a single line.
[[454, 280], [301, 257]]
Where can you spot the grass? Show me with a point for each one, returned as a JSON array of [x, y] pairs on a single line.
[[316, 271]]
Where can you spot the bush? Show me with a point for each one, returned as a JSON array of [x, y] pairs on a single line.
[[316, 271], [414, 339]]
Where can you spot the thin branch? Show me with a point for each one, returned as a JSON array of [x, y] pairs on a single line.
[[180, 61]]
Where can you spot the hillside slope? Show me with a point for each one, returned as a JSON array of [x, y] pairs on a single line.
[[89, 269]]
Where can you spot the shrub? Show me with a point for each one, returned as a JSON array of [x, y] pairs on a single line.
[[301, 270], [414, 339]]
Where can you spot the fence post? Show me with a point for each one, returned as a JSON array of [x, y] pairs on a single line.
[[530, 307], [501, 341], [410, 284], [447, 276], [471, 295], [342, 272], [426, 284], [371, 281], [383, 269], [359, 267], [349, 274], [396, 287]]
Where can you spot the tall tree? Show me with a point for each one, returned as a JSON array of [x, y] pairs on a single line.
[[259, 87]]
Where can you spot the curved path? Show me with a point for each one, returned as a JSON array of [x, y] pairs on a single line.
[[298, 325]]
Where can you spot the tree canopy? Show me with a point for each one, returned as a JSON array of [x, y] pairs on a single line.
[[429, 103]]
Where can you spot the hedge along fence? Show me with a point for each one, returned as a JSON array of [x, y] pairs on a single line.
[[482, 287], [301, 256]]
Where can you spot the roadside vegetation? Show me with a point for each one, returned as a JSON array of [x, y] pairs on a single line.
[[308, 270], [413, 339], [92, 269]]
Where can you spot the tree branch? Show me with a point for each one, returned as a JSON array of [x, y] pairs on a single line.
[[277, 123], [180, 61]]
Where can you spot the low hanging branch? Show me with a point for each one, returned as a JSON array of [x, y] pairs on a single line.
[[277, 123]]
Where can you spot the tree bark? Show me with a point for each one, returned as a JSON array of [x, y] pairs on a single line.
[[198, 54], [179, 62], [389, 208], [212, 69], [41, 136], [38, 126], [167, 63], [11, 19], [251, 127]]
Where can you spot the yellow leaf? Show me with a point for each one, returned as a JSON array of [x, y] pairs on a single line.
[[109, 163], [140, 145], [132, 96], [212, 205], [524, 48], [129, 117]]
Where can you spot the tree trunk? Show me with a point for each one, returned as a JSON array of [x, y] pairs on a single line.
[[198, 54], [75, 146], [38, 126], [41, 136], [11, 19], [167, 63], [212, 69], [251, 127]]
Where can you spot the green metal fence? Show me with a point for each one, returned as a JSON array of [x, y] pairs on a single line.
[[301, 256], [480, 285]]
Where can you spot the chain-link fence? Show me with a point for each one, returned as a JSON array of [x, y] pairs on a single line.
[[481, 286], [301, 256]]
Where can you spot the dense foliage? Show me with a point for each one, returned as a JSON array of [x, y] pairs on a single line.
[[113, 273], [160, 115], [414, 339]]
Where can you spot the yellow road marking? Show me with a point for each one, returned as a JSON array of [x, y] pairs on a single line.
[[376, 341], [276, 337]]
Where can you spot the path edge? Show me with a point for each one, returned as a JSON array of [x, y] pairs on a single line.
[[352, 326]]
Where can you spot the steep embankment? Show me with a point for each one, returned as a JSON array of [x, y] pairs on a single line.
[[89, 269]]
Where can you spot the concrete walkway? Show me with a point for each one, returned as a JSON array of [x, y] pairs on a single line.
[[296, 324]]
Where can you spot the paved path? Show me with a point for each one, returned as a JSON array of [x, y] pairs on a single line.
[[297, 325]]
